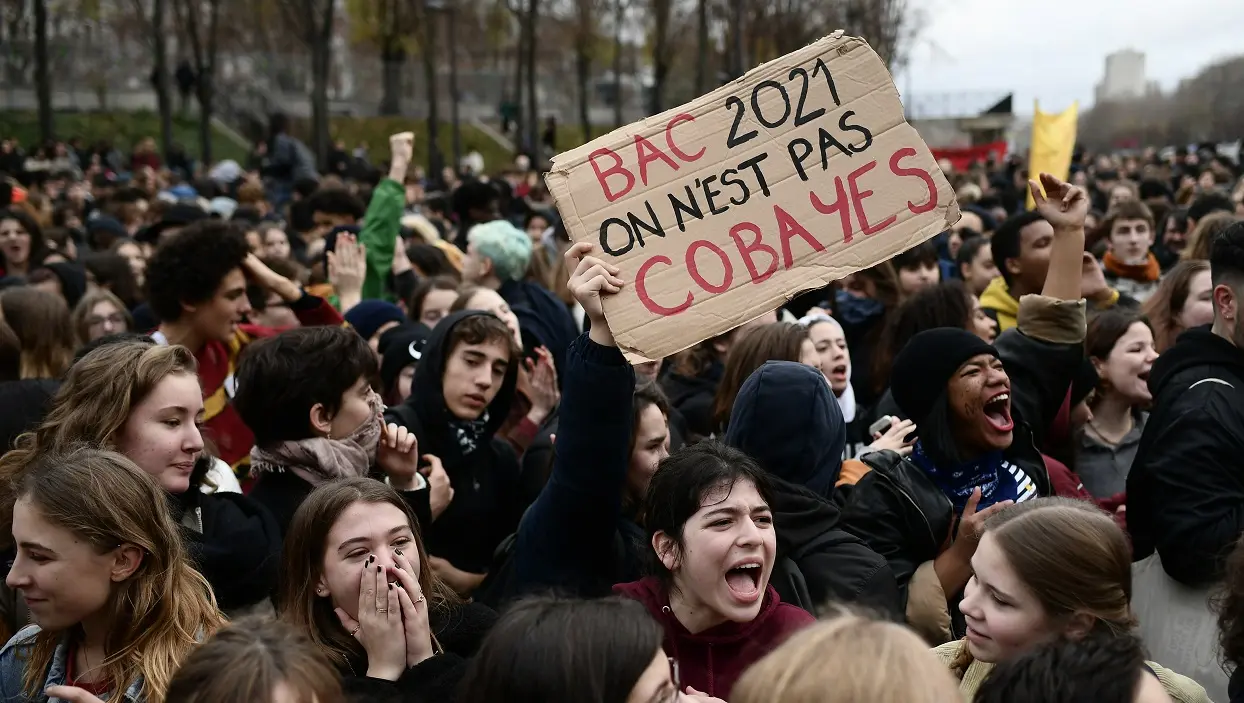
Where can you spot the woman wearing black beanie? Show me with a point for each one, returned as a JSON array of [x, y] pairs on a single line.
[[981, 411]]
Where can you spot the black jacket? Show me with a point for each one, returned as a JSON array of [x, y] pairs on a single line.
[[25, 403], [692, 397], [459, 630], [543, 319], [282, 492], [1185, 492], [786, 418], [903, 516], [487, 503], [234, 542], [575, 538]]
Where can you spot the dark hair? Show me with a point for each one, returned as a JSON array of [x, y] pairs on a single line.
[[38, 246], [414, 309], [257, 295], [968, 250], [281, 378], [113, 271], [472, 195], [1006, 241], [1126, 210], [1163, 307], [1105, 329], [1103, 668], [646, 395], [259, 655], [42, 323], [189, 268], [480, 329], [685, 480], [336, 201], [430, 261], [546, 649], [946, 304], [1226, 259], [919, 256], [10, 357], [779, 341], [1229, 604], [1208, 204]]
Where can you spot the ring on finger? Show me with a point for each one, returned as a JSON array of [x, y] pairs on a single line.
[[355, 631], [382, 610]]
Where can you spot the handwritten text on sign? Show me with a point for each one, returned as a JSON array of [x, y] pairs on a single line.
[[796, 175]]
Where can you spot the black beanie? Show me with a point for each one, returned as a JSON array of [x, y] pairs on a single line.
[[928, 362]]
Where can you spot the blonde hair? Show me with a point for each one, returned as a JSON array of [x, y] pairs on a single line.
[[158, 614], [1201, 239], [91, 406], [885, 661]]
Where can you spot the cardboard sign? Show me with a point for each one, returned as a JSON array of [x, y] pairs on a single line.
[[793, 176]]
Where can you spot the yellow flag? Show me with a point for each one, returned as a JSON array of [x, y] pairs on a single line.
[[1053, 140]]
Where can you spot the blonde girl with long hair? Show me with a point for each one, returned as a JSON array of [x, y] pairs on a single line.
[[886, 661], [144, 401], [115, 603]]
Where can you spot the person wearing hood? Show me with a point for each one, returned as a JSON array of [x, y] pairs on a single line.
[[709, 519], [497, 257], [401, 348], [63, 278], [1184, 490], [785, 418], [142, 400], [372, 318], [982, 410], [459, 399], [307, 397]]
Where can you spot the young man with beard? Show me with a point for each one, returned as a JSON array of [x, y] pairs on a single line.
[[1186, 487]]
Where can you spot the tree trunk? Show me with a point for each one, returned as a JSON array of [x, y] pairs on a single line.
[[618, 17], [453, 84], [43, 74], [738, 58], [533, 103], [520, 51], [164, 98], [392, 58], [701, 47], [321, 63], [583, 66], [207, 99], [435, 160]]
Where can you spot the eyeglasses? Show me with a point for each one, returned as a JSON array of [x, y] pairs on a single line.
[[115, 319]]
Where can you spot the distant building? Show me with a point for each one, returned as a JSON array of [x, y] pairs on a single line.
[[1124, 78]]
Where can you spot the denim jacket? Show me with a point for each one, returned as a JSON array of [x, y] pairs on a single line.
[[13, 668]]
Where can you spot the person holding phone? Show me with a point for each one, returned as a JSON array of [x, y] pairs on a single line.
[[982, 410]]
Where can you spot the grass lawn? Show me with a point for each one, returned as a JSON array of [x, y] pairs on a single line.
[[375, 131], [122, 128]]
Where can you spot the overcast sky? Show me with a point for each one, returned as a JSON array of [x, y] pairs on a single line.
[[1054, 50]]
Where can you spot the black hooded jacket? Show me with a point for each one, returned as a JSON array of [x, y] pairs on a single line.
[[1185, 492], [786, 418], [543, 319], [487, 504], [72, 279], [692, 397]]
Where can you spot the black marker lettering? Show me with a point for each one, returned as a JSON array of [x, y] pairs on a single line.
[[754, 164], [653, 227], [848, 127], [728, 179], [604, 236], [797, 159], [680, 207], [710, 193]]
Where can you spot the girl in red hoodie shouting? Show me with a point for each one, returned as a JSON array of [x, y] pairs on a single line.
[[711, 530]]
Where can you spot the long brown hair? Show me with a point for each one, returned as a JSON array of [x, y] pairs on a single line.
[[41, 321], [88, 303], [305, 546], [1163, 307], [1201, 238], [888, 662], [157, 615], [1071, 556], [779, 341], [91, 406], [257, 655]]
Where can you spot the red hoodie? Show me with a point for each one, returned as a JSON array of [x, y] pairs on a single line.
[[712, 660]]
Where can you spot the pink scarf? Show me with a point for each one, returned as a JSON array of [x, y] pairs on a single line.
[[320, 459]]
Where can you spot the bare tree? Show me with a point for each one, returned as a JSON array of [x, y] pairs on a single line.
[[619, 20], [313, 22], [701, 46], [586, 38], [154, 30], [435, 159], [200, 20], [663, 48], [43, 75], [533, 97]]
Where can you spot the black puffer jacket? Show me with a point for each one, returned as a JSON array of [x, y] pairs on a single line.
[[1185, 492], [234, 542], [786, 418], [902, 515]]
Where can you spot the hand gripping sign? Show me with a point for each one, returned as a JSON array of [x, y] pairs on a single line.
[[793, 176]]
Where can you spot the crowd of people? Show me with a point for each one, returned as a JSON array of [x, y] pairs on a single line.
[[278, 433]]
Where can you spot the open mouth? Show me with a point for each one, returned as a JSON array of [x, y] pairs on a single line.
[[998, 412], [744, 581], [1143, 376], [839, 371]]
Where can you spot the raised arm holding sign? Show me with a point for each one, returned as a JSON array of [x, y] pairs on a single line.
[[795, 175]]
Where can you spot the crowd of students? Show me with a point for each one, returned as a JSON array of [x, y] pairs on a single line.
[[276, 436]]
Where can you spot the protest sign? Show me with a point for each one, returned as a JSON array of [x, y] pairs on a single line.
[[797, 174]]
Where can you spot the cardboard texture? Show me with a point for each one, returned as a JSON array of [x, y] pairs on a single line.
[[795, 175]]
